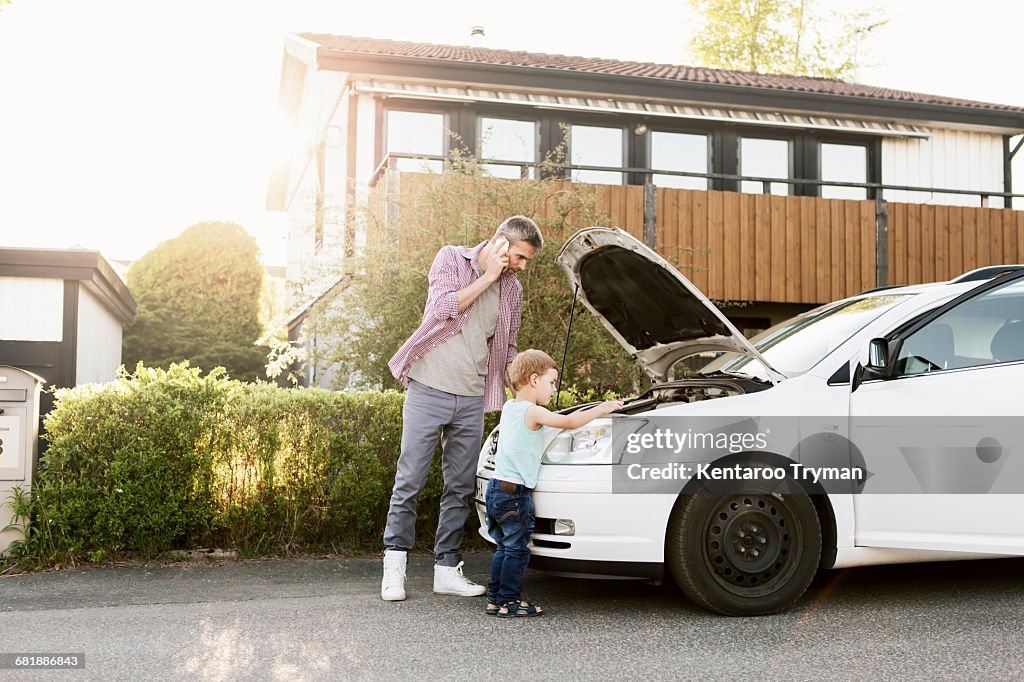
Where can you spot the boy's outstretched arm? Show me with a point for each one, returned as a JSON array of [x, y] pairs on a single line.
[[542, 416]]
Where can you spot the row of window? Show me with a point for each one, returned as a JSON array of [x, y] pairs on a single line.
[[515, 140]]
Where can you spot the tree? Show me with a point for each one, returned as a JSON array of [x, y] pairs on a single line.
[[782, 36], [198, 299]]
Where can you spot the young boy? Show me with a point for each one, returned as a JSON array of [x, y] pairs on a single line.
[[510, 514]]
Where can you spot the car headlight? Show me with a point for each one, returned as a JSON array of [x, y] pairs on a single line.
[[488, 451], [590, 444]]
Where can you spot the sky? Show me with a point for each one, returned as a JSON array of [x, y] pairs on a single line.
[[122, 122]]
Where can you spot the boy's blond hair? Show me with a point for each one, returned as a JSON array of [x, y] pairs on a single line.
[[526, 364]]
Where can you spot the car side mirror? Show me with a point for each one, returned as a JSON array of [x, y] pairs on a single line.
[[878, 356], [878, 366]]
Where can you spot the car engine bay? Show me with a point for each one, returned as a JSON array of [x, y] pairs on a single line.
[[690, 390]]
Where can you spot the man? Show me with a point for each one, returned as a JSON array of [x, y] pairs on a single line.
[[454, 366]]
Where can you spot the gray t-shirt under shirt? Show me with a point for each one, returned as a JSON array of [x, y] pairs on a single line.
[[459, 365]]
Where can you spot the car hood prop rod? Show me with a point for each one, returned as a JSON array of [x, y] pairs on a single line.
[[565, 349]]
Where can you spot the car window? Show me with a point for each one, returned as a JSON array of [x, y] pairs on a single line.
[[796, 345], [983, 330]]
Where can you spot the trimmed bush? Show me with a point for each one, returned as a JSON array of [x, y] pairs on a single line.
[[170, 459], [127, 464]]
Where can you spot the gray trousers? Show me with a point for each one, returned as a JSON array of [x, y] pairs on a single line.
[[459, 421]]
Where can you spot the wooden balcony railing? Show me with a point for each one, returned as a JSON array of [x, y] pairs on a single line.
[[803, 249]]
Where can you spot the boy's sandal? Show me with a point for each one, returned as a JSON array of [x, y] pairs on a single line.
[[521, 609], [493, 608]]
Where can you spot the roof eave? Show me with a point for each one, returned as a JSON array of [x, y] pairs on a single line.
[[85, 266], [660, 88]]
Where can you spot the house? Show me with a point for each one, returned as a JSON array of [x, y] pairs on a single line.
[[792, 191], [62, 312]]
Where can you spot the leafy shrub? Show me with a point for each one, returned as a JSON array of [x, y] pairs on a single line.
[[127, 462]]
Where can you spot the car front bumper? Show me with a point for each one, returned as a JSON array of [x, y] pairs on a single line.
[[615, 534]]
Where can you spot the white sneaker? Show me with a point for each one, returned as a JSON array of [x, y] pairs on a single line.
[[392, 587], [449, 580]]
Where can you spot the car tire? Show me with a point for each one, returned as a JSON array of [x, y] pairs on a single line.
[[747, 548]]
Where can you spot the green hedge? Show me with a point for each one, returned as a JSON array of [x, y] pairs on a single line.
[[170, 459]]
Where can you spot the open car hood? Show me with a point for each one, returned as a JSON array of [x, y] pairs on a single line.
[[654, 312]]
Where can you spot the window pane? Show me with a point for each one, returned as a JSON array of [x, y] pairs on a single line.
[[416, 132], [679, 152], [764, 159], [844, 163], [593, 146], [982, 331], [507, 140], [503, 139]]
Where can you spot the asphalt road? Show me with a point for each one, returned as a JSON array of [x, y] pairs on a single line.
[[323, 619]]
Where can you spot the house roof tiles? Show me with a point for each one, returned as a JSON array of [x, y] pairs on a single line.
[[347, 45]]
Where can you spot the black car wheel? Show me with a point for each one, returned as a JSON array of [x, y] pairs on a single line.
[[745, 549]]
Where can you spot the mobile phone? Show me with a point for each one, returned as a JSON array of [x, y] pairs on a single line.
[[502, 248]]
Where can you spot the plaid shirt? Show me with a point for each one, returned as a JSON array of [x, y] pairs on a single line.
[[453, 270]]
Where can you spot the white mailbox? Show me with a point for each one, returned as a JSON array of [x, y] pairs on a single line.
[[19, 441]]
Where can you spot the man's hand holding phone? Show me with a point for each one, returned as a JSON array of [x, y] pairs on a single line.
[[498, 259]]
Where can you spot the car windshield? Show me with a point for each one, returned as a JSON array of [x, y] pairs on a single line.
[[796, 345]]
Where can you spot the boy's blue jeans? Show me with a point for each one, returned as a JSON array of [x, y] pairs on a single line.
[[510, 522]]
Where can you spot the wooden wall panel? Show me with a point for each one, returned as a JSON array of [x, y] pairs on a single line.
[[994, 229], [983, 238], [791, 268], [823, 251], [763, 246], [808, 234], [927, 224], [913, 242], [777, 264], [1011, 252], [748, 250], [955, 226], [716, 245], [970, 223], [934, 243], [635, 211], [837, 273], [684, 234], [943, 270], [868, 260], [852, 249], [732, 245], [756, 247], [699, 237], [662, 236]]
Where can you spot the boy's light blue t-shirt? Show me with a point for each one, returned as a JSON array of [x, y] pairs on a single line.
[[519, 449]]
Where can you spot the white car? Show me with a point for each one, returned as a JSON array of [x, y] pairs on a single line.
[[863, 369]]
